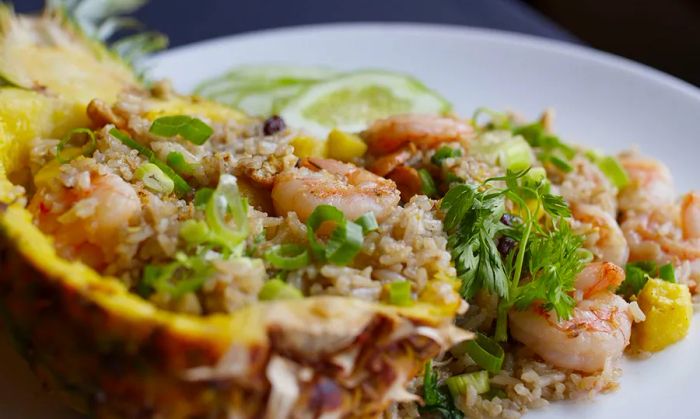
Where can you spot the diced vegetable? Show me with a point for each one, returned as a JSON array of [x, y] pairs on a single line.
[[276, 289], [86, 149], [194, 232], [202, 196], [443, 153], [154, 179], [287, 256], [400, 293], [458, 384], [305, 146], [668, 310], [344, 146]]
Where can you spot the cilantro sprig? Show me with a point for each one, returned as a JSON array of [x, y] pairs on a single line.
[[546, 253], [437, 399]]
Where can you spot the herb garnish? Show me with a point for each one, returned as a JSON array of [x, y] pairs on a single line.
[[191, 129]]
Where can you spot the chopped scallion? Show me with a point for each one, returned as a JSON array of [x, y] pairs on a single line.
[[177, 161], [345, 240], [154, 179], [181, 186], [276, 289], [191, 129], [614, 171], [287, 256], [194, 232], [368, 222], [427, 183], [86, 149], [227, 199], [458, 384], [400, 293], [667, 273], [443, 153], [560, 163], [202, 197], [486, 352]]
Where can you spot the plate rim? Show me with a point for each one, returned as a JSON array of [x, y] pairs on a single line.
[[525, 40]]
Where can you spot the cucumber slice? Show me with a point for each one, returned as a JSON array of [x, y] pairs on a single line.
[[255, 89], [350, 102]]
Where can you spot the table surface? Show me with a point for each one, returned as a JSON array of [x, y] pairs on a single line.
[[186, 21]]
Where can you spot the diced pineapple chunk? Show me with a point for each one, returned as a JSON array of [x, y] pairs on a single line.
[[305, 146], [668, 309], [345, 147]]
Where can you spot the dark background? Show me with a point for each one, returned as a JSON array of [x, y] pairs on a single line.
[[662, 33]]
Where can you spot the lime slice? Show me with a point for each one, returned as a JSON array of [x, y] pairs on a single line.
[[256, 89], [350, 102]]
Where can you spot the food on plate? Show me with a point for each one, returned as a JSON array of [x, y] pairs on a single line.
[[341, 246]]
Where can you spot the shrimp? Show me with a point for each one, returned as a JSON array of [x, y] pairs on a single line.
[[604, 237], [353, 190], [424, 131], [84, 220], [598, 331], [651, 184], [668, 234]]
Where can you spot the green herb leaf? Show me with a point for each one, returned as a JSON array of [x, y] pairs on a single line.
[[427, 183], [437, 399], [191, 129]]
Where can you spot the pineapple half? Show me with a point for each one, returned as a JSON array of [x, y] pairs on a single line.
[[113, 354]]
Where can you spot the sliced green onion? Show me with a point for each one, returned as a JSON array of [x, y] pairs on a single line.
[[400, 293], [458, 384], [276, 289], [427, 183], [560, 163], [443, 153], [368, 222], [194, 231], [189, 128], [187, 274], [516, 154], [483, 350], [86, 149], [535, 176], [226, 198], [202, 197], [177, 161], [495, 392], [585, 255], [667, 273], [345, 240], [287, 256], [181, 186], [614, 171], [154, 178]]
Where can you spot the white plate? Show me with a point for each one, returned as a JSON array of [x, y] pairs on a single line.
[[601, 101]]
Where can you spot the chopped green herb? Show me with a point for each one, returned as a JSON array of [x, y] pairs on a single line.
[[181, 186], [486, 352], [614, 171], [202, 197], [226, 200], [638, 273], [287, 256], [437, 399], [458, 384], [667, 273], [177, 161], [345, 240], [427, 183], [154, 179], [443, 153], [400, 293], [276, 289], [86, 149], [368, 222], [191, 129], [182, 276]]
